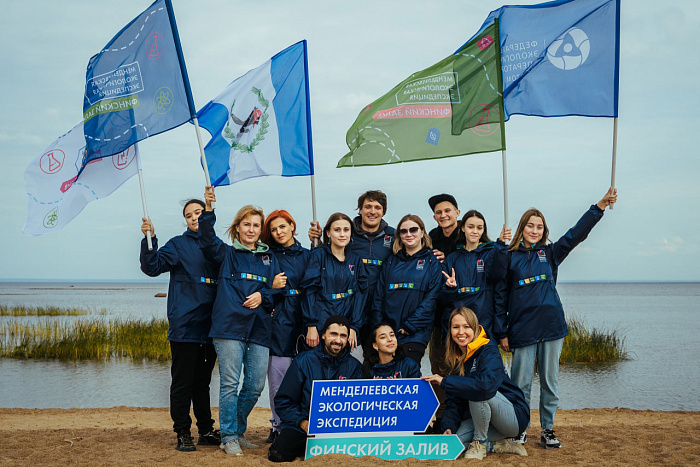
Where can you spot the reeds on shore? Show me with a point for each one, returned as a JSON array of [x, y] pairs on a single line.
[[86, 339], [40, 311], [592, 346]]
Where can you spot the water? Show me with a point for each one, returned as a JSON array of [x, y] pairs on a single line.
[[660, 322]]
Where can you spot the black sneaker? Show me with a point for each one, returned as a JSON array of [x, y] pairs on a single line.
[[548, 440], [212, 438], [185, 443], [272, 436]]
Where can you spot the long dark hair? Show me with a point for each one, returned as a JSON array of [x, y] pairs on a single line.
[[461, 237], [338, 216], [371, 354]]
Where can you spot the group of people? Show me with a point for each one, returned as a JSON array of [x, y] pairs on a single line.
[[268, 307]]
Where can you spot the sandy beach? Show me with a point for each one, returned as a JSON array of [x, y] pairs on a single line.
[[132, 435]]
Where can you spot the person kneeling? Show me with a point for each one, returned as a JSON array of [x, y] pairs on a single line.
[[329, 361], [483, 406]]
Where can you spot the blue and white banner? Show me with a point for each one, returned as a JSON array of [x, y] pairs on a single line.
[[560, 58], [260, 124], [134, 87], [54, 192]]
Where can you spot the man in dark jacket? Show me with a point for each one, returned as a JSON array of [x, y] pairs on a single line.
[[444, 237], [329, 361]]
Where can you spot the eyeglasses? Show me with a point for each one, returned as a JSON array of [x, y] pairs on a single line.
[[412, 230]]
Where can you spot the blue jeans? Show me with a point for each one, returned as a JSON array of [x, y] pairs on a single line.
[[234, 408], [522, 370], [491, 420]]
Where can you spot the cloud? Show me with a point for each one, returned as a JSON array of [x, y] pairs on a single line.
[[666, 245]]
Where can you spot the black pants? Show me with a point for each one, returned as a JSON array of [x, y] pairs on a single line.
[[289, 445], [191, 375], [414, 351]]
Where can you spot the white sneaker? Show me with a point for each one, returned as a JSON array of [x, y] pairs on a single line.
[[232, 447], [476, 450], [244, 443], [508, 446]]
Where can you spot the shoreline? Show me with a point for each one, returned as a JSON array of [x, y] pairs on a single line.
[[135, 435]]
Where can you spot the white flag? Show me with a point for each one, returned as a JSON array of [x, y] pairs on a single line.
[[54, 192]]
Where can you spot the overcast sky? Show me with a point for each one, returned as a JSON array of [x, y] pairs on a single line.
[[357, 52]]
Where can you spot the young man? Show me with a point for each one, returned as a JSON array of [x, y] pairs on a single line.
[[446, 214], [372, 240], [444, 237], [331, 360]]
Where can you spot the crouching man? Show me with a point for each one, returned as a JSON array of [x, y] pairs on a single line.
[[329, 361]]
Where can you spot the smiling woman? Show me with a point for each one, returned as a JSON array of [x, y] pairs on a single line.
[[335, 282]]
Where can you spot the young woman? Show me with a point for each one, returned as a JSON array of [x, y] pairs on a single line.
[[384, 359], [242, 316], [535, 317], [483, 407], [292, 259], [191, 294], [475, 280], [408, 288], [334, 283]]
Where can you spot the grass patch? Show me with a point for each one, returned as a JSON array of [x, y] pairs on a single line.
[[586, 346], [592, 346], [40, 311], [86, 340]]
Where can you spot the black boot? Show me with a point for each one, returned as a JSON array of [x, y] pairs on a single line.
[[185, 443]]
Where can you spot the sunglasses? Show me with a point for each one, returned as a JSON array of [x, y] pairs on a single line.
[[412, 231]]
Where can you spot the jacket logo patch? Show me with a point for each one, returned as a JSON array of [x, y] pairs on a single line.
[[542, 256], [479, 265], [387, 240], [420, 265], [352, 269], [473, 368], [266, 260]]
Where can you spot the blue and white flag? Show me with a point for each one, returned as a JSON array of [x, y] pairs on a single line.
[[54, 192], [560, 58], [260, 124], [134, 87]]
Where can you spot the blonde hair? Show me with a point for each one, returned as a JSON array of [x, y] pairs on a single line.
[[245, 211], [454, 358], [398, 244]]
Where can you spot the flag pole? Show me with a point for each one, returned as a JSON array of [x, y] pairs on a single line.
[[188, 89], [308, 136], [505, 188], [143, 195], [614, 156]]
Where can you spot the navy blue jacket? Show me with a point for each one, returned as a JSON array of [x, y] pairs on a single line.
[[242, 273], [534, 311], [397, 368], [406, 295], [485, 375], [293, 399], [479, 285], [192, 287], [331, 287], [286, 318], [373, 249]]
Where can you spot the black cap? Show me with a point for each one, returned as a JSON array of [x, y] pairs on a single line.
[[437, 199], [336, 319]]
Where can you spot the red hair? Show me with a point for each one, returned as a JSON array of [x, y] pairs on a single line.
[[266, 236]]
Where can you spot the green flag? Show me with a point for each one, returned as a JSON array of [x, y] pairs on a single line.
[[426, 115]]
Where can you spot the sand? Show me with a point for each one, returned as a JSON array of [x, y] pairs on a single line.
[[142, 436]]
